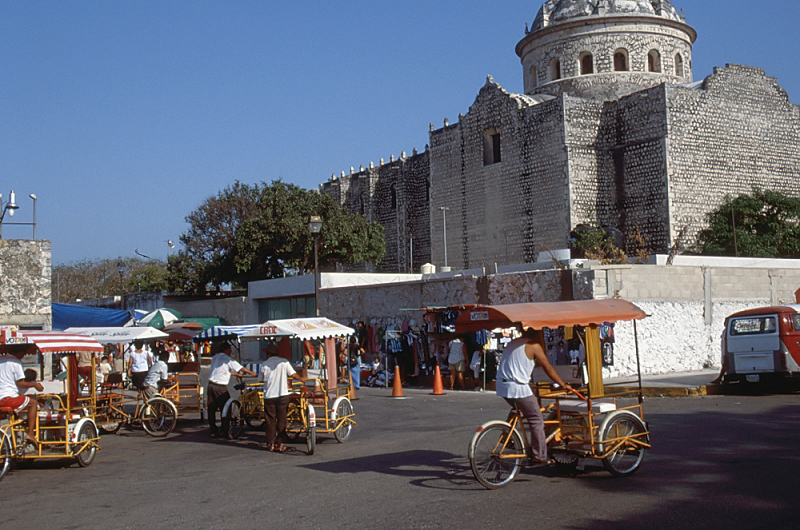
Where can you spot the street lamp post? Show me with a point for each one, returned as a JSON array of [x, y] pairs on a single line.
[[9, 207], [315, 226], [121, 271], [444, 231], [32, 196]]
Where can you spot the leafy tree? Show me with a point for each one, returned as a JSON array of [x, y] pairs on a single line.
[[100, 278], [764, 224], [253, 232]]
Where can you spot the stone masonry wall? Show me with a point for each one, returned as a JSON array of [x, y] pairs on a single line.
[[25, 293], [740, 130], [507, 211], [394, 194]]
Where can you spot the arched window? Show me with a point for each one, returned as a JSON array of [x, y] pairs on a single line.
[[587, 63], [534, 81], [654, 61], [555, 69], [679, 65], [621, 60]]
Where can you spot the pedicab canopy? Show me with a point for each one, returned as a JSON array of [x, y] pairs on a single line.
[[300, 328], [49, 341], [224, 332], [547, 314], [119, 335]]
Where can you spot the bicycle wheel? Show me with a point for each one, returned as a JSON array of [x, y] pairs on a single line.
[[253, 412], [343, 409], [235, 421], [159, 417], [86, 456], [295, 423], [5, 456], [495, 454], [626, 456], [311, 440]]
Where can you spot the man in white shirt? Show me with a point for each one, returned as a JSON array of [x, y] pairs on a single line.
[[12, 379], [276, 372], [156, 376], [221, 369], [520, 357]]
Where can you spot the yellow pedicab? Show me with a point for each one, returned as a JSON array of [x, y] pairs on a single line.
[[603, 426], [322, 405], [65, 426]]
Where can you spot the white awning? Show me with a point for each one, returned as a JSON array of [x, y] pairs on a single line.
[[51, 341], [217, 332], [119, 335], [299, 328]]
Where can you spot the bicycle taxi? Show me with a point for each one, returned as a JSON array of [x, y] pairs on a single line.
[[604, 422], [322, 405], [117, 404], [65, 426]]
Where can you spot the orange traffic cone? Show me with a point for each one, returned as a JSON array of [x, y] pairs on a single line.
[[397, 388], [438, 390]]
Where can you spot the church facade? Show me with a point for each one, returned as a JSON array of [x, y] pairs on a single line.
[[611, 131]]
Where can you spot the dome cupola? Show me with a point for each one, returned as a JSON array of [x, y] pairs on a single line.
[[605, 48]]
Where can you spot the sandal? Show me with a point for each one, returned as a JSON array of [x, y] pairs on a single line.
[[279, 448], [32, 441]]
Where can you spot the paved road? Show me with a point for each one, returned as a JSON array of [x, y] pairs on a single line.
[[717, 462]]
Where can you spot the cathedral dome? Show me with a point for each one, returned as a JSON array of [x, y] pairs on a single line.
[[558, 11]]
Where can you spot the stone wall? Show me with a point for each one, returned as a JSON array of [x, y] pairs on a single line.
[[394, 194], [25, 294], [737, 131]]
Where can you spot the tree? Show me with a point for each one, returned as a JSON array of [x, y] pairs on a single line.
[[763, 224], [100, 278], [254, 232]]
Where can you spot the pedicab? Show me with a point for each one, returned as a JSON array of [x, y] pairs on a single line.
[[116, 404], [65, 426], [601, 422], [322, 404]]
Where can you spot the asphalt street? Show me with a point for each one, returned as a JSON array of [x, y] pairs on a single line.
[[716, 462]]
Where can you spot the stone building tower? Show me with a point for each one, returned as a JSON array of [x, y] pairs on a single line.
[[605, 48]]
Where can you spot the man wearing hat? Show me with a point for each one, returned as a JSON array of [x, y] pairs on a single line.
[[276, 372], [221, 369]]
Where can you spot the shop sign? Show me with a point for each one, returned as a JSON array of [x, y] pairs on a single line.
[[478, 316]]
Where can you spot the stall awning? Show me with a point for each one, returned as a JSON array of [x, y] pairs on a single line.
[[300, 328], [119, 335], [51, 341], [222, 332], [547, 314]]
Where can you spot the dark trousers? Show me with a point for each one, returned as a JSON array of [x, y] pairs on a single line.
[[531, 411], [216, 397], [276, 410]]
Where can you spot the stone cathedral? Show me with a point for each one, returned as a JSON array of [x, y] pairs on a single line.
[[611, 130]]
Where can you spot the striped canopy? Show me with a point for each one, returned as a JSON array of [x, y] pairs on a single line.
[[219, 332], [51, 341]]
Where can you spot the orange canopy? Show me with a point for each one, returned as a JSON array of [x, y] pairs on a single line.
[[546, 314]]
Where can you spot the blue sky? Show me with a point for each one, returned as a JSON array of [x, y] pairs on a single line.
[[123, 117]]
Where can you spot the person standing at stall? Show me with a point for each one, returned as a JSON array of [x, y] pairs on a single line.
[[520, 357], [354, 362], [275, 373], [220, 371], [140, 363], [457, 361]]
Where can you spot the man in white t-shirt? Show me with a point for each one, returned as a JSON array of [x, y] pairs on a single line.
[[520, 357], [221, 369], [156, 376], [276, 372], [12, 379]]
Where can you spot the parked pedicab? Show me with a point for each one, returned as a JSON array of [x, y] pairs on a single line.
[[321, 405], [65, 426], [116, 404], [604, 423]]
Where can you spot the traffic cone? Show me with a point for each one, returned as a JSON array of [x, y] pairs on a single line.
[[397, 387], [438, 390]]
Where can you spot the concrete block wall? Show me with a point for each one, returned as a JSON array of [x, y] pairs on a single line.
[[25, 289]]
